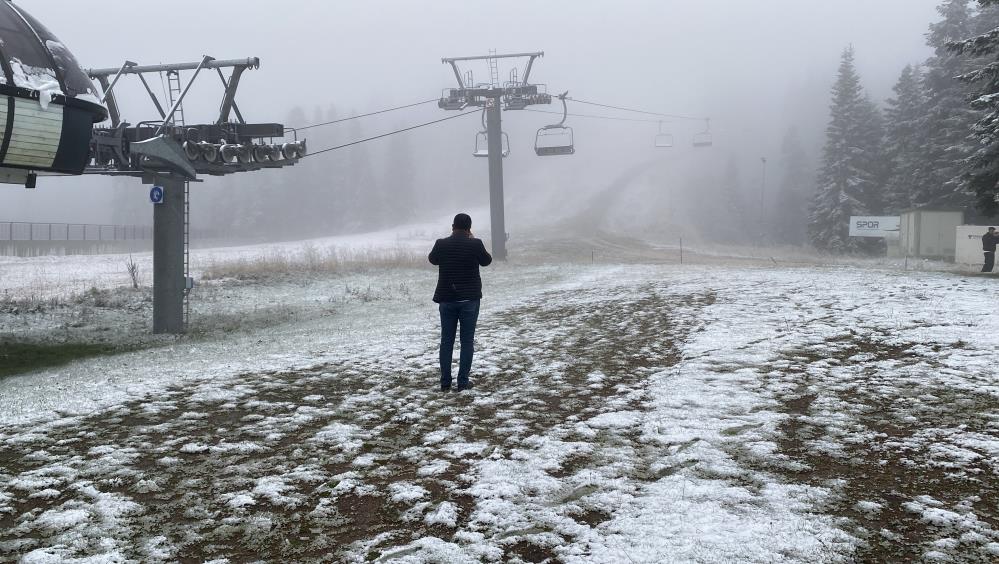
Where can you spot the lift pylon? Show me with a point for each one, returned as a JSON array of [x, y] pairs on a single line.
[[170, 153], [518, 94]]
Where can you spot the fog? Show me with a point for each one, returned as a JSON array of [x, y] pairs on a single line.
[[757, 68]]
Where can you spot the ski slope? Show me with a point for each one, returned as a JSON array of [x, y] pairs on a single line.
[[622, 413]]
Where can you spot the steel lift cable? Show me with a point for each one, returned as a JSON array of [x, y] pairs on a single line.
[[612, 107], [396, 132], [414, 104], [591, 116]]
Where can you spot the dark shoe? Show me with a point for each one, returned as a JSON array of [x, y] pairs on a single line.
[[463, 387], [446, 388]]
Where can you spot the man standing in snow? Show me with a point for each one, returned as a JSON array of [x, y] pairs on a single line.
[[459, 290], [989, 241]]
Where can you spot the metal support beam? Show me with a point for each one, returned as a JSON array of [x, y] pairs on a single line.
[[152, 96], [494, 128], [252, 63], [168, 257], [229, 102], [457, 74], [112, 103], [530, 65], [117, 77], [183, 94], [505, 56]]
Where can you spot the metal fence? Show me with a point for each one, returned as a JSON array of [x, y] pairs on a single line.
[[23, 231]]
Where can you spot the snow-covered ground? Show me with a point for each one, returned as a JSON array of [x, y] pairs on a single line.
[[622, 413], [59, 276]]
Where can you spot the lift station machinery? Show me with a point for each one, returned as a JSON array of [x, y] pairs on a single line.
[[169, 154], [48, 110]]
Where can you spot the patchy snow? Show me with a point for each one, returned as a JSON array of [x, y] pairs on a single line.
[[445, 514], [403, 492], [639, 413], [62, 276], [42, 79]]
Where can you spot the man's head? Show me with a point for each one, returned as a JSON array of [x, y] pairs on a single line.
[[992, 229], [462, 222]]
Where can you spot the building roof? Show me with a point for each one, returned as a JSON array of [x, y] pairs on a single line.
[[932, 210]]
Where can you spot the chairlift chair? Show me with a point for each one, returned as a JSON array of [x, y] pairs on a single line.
[[557, 138], [482, 144], [703, 139], [663, 139], [482, 141], [554, 140]]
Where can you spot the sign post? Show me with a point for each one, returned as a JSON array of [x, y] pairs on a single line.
[[875, 226], [156, 195]]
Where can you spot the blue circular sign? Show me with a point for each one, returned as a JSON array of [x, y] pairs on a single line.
[[156, 195]]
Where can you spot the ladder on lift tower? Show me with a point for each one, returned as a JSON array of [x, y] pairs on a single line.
[[176, 91], [188, 281], [493, 70], [173, 83]]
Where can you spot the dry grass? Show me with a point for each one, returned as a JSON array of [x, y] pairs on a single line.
[[311, 259], [117, 298], [14, 304]]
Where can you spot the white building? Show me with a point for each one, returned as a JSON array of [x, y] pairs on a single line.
[[969, 245], [928, 233]]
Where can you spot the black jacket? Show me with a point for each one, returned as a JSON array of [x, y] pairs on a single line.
[[459, 258], [989, 242]]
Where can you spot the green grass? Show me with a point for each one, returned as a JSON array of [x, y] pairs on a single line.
[[19, 358]]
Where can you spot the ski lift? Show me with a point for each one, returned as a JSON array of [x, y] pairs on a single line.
[[482, 140], [703, 139], [556, 139], [663, 139]]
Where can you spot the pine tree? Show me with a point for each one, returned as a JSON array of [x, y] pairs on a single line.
[[947, 123], [850, 179], [283, 201], [315, 187], [796, 187], [904, 139], [330, 209], [872, 157], [360, 196], [398, 181], [983, 176]]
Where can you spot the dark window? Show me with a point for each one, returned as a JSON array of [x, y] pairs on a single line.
[[21, 49]]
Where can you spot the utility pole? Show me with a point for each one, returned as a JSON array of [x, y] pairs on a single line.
[[763, 192], [516, 94]]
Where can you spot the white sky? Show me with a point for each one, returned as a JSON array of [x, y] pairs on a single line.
[[754, 66]]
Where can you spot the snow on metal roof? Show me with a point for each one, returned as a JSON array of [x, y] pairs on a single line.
[[34, 60]]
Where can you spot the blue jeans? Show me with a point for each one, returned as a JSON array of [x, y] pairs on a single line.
[[467, 313]]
